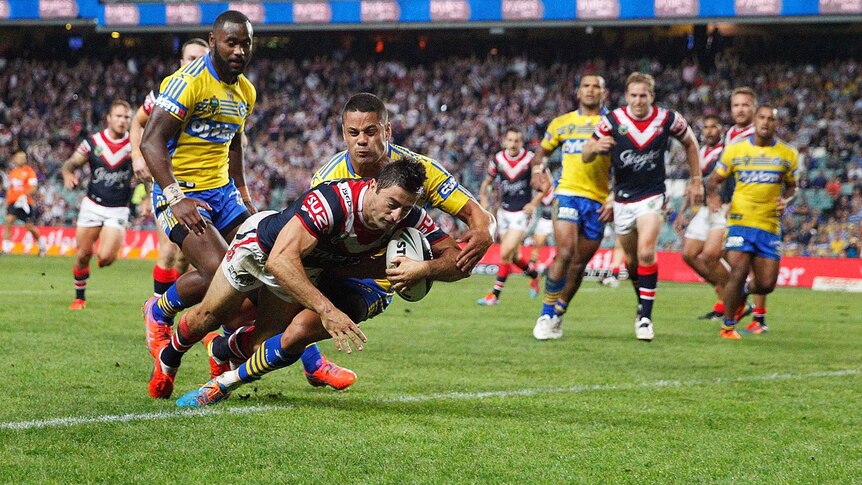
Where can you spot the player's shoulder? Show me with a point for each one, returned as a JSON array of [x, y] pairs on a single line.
[[397, 152], [247, 88], [328, 168], [786, 147]]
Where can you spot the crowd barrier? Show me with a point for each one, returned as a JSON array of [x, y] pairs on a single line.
[[795, 271]]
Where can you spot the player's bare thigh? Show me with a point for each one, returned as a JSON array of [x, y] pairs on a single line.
[[85, 239], [648, 228], [273, 315], [110, 242], [510, 243], [713, 247], [765, 273], [220, 303]]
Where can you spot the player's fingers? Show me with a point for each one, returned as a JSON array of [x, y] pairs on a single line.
[[354, 335]]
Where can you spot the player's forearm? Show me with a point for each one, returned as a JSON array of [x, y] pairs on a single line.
[[443, 267], [712, 183], [290, 274], [538, 159], [136, 132], [474, 216]]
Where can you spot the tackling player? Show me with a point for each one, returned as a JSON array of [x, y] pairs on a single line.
[[104, 212], [23, 185], [581, 207], [638, 137], [170, 263], [293, 253], [764, 170], [517, 207]]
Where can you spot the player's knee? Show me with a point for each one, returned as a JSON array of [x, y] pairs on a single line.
[[107, 260], [646, 257], [565, 255]]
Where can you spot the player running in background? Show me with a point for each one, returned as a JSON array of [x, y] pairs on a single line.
[[703, 241], [743, 103], [193, 149], [638, 137], [170, 263], [104, 212], [618, 258], [764, 169], [581, 207], [517, 207], [337, 223], [20, 205], [542, 231]]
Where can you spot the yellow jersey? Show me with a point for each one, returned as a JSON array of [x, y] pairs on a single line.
[[572, 131], [212, 112], [760, 174], [441, 189]]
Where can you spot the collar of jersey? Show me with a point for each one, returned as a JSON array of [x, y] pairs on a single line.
[[774, 142]]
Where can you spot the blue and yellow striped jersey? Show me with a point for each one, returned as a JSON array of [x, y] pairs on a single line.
[[760, 174], [212, 113], [441, 188], [573, 131]]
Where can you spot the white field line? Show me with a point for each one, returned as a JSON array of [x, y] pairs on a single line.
[[123, 418], [621, 387]]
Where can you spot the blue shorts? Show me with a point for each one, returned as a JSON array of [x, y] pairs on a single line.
[[344, 292], [760, 243], [581, 211], [226, 203]]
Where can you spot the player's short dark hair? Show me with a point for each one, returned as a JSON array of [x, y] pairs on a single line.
[[514, 129], [366, 103], [407, 173], [194, 41], [232, 16], [713, 116]]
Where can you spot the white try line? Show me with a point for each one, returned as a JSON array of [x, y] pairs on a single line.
[[124, 418], [620, 387]]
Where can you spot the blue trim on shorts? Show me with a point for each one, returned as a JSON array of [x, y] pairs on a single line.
[[581, 211], [226, 203], [760, 243], [376, 298]]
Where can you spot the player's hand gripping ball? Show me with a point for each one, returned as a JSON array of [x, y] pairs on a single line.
[[410, 243]]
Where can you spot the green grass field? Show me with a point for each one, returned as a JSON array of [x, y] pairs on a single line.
[[448, 392]]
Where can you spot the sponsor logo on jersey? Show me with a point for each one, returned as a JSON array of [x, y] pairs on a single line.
[[211, 130], [573, 146], [759, 177], [447, 187], [638, 161], [316, 210], [171, 106], [623, 129]]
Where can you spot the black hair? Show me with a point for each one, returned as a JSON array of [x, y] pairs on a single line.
[[366, 103], [232, 16], [407, 173]]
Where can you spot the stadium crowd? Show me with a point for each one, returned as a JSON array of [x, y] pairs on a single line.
[[454, 110]]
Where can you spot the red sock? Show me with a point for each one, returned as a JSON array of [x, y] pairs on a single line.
[[718, 307]]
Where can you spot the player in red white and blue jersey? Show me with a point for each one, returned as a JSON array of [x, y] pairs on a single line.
[[512, 166], [638, 137], [104, 212], [293, 255]]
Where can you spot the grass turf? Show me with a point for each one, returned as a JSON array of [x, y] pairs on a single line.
[[448, 392]]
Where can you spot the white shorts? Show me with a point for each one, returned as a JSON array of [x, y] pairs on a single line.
[[545, 227], [512, 220], [626, 214], [704, 222], [244, 264], [95, 215]]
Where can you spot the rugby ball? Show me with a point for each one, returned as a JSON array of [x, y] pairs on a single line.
[[410, 243]]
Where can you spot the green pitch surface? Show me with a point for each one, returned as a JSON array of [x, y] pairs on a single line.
[[448, 392]]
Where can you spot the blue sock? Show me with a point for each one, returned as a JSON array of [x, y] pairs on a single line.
[[312, 359], [729, 323], [269, 357], [168, 306], [553, 289]]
